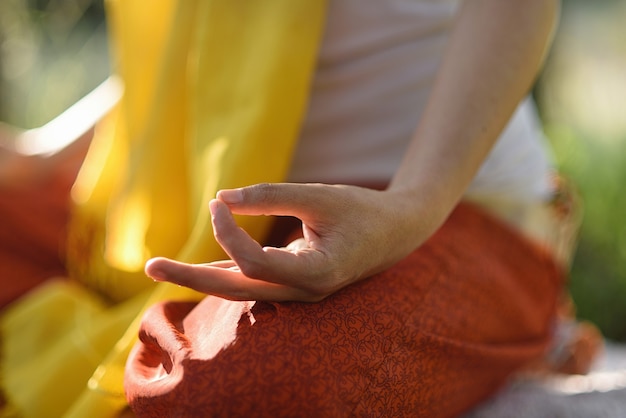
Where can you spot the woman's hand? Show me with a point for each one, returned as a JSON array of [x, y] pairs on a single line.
[[492, 58], [349, 233]]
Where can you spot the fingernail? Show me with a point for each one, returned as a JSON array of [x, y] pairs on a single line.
[[230, 196], [154, 272]]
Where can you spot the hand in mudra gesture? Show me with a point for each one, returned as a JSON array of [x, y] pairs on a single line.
[[349, 233]]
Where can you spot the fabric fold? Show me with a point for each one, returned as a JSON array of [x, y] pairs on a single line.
[[416, 340], [207, 86]]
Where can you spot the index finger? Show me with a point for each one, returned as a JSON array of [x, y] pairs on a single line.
[[301, 268], [224, 282]]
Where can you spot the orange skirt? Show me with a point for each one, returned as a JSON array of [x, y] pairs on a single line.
[[430, 337]]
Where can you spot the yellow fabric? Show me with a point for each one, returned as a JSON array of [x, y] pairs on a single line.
[[215, 91]]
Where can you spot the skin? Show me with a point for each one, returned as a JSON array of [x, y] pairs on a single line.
[[495, 52]]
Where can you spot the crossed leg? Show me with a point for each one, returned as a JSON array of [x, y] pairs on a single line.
[[432, 336]]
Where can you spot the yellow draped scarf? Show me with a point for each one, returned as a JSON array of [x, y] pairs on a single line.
[[214, 95]]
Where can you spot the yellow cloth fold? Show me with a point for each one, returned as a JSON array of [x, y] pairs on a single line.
[[215, 92]]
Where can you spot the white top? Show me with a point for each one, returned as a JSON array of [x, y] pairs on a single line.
[[376, 66]]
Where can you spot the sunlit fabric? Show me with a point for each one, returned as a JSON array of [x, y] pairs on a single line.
[[203, 94], [430, 337]]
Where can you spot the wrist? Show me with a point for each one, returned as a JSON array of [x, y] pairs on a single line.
[[432, 200], [419, 213]]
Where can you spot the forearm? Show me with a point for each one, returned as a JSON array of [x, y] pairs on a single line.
[[494, 54], [351, 233]]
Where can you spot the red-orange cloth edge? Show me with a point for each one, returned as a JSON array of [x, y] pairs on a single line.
[[33, 220]]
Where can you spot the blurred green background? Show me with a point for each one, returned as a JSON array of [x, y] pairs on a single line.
[[54, 51], [582, 98]]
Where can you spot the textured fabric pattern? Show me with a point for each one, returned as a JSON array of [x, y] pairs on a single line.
[[430, 337]]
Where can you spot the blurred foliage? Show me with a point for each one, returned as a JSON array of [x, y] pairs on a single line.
[[51, 53], [54, 51], [582, 97], [598, 279]]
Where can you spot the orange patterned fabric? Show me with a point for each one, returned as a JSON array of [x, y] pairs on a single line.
[[430, 337]]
